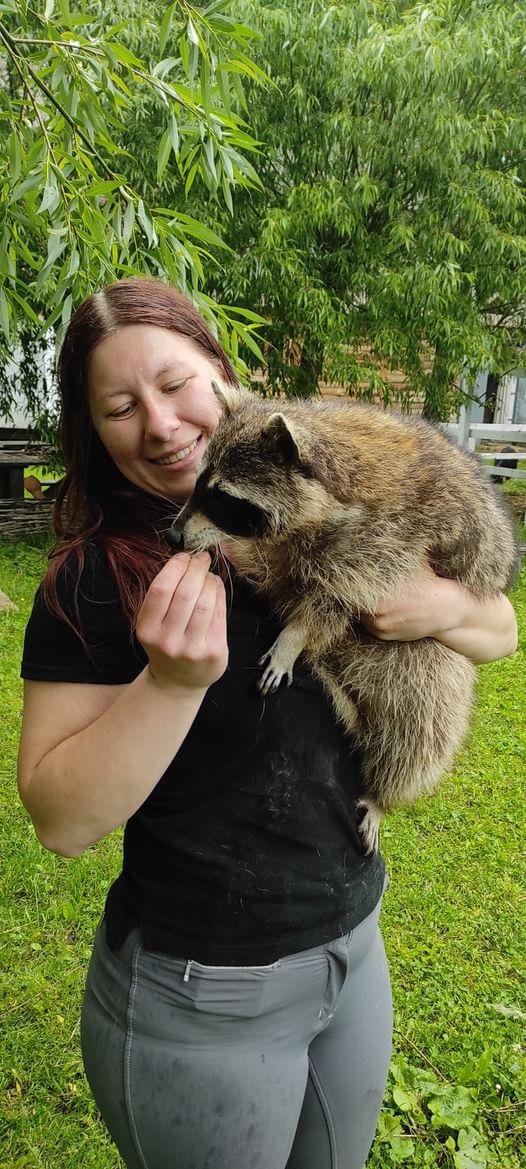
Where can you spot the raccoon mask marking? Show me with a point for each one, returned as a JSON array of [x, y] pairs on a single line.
[[230, 513], [215, 511]]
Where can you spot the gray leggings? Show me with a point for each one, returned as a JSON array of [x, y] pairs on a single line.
[[258, 1067]]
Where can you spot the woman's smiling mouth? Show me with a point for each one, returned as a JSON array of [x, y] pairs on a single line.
[[178, 457]]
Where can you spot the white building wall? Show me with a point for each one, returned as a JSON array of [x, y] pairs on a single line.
[[19, 412]]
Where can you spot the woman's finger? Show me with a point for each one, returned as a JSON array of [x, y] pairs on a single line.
[[202, 615], [160, 593], [217, 633], [187, 593]]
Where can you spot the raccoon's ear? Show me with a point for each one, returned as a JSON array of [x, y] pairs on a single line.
[[227, 395], [280, 435], [285, 444]]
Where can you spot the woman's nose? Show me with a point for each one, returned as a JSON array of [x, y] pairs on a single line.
[[161, 422]]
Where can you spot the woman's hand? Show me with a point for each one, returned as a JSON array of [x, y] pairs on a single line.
[[427, 606], [182, 624], [431, 606]]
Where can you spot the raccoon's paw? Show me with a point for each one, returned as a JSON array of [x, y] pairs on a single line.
[[369, 825], [274, 673]]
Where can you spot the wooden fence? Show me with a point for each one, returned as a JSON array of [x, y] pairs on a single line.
[[470, 435], [18, 516], [24, 517]]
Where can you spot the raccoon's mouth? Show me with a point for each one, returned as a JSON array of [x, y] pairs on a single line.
[[203, 540]]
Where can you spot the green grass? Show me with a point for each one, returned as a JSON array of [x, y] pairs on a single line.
[[453, 924], [515, 486]]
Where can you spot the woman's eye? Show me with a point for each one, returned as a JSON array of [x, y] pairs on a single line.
[[177, 386], [121, 413], [167, 390]]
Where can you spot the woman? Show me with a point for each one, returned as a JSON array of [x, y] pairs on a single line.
[[237, 1010]]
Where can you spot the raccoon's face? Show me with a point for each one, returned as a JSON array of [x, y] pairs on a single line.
[[217, 510], [246, 486]]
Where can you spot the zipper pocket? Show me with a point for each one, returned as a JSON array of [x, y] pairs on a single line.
[[192, 962]]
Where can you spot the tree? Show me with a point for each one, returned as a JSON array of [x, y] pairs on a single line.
[[71, 216], [390, 227]]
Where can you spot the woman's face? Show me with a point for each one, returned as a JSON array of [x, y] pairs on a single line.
[[153, 406]]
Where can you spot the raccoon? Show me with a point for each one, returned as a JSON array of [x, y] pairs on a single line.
[[327, 508]]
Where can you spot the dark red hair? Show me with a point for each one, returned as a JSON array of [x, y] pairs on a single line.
[[94, 499]]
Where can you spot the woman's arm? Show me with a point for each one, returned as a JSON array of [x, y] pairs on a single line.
[[431, 606], [86, 764], [90, 781]]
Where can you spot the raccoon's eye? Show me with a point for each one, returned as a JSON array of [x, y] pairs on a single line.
[[231, 514]]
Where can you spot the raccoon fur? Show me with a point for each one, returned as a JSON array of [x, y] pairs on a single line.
[[327, 508]]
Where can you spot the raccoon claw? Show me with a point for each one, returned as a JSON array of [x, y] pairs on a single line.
[[368, 828], [272, 676]]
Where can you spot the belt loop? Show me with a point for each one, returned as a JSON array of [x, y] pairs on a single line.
[[186, 975]]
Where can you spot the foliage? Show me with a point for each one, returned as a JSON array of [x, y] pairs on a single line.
[[456, 1123], [70, 218], [390, 227]]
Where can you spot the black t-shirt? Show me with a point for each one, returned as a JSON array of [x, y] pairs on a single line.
[[247, 848]]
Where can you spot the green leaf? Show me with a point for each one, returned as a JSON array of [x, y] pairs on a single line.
[[215, 6], [15, 155], [185, 55], [163, 153], [221, 78], [388, 1126], [74, 263], [103, 187], [53, 317], [401, 1148], [32, 181], [190, 178], [243, 65], [200, 231], [406, 1101], [4, 315], [205, 83], [193, 61], [50, 198], [227, 194], [128, 221], [124, 55], [58, 75], [249, 341], [66, 309], [26, 307], [191, 33], [476, 1069], [116, 220], [473, 1152], [453, 1108], [56, 244], [145, 220], [226, 160], [243, 312], [210, 160], [174, 134], [164, 28]]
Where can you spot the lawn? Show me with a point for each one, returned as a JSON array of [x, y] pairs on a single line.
[[453, 924]]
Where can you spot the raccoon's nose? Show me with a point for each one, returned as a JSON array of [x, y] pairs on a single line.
[[175, 539]]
